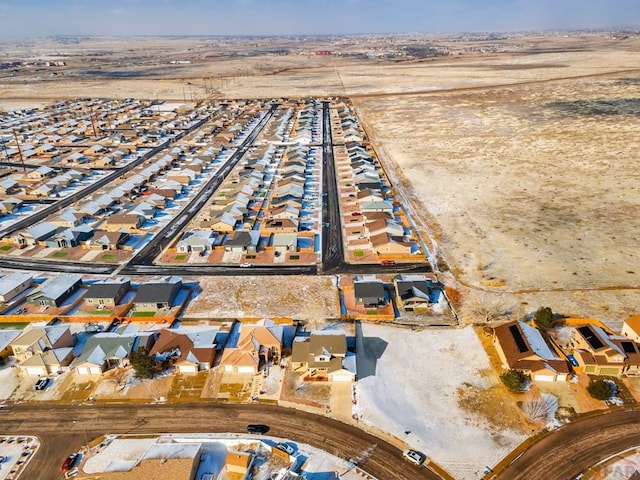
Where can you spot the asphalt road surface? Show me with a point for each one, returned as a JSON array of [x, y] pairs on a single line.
[[575, 447], [64, 429]]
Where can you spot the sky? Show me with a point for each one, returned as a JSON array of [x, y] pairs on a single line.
[[37, 18]]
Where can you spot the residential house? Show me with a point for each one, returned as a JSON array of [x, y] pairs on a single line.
[[243, 241], [7, 336], [14, 284], [107, 292], [69, 218], [9, 186], [103, 240], [631, 328], [158, 295], [105, 351], [43, 349], [10, 205], [417, 291], [123, 221], [280, 225], [284, 243], [252, 348], [385, 244], [523, 347], [183, 177], [35, 235], [320, 356], [196, 241], [44, 190], [224, 223], [602, 353], [69, 237], [41, 173], [370, 291], [188, 350], [55, 290]]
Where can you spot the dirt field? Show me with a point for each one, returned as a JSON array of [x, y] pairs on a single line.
[[521, 149]]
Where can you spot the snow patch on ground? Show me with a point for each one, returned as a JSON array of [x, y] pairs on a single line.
[[415, 390]]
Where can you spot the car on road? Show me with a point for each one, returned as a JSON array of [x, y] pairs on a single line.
[[388, 262], [414, 456], [3, 459], [257, 428], [69, 462], [42, 383], [247, 265], [286, 448]]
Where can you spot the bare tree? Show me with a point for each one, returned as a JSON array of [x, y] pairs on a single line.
[[541, 408]]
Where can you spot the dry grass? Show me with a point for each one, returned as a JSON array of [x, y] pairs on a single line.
[[302, 297], [187, 386]]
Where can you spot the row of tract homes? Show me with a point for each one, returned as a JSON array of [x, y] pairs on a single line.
[[376, 225], [21, 289], [578, 345], [268, 203], [92, 133], [411, 292], [40, 182], [44, 349]]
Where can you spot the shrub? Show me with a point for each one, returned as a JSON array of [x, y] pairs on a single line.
[[600, 389], [515, 380]]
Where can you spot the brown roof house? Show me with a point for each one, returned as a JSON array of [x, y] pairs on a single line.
[[602, 353], [189, 350], [321, 356], [522, 347], [255, 346], [123, 221]]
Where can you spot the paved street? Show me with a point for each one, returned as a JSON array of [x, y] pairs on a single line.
[[64, 429]]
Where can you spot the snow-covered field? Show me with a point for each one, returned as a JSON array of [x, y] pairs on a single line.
[[415, 389]]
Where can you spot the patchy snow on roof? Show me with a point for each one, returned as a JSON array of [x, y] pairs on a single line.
[[537, 342]]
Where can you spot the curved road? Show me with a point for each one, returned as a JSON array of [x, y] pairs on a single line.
[[572, 449], [64, 429]]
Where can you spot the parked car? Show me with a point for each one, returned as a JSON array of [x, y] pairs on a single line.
[[69, 462], [573, 360], [247, 265], [388, 262], [257, 428], [414, 456], [286, 448], [42, 383]]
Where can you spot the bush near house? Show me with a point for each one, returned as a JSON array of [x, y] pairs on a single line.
[[515, 380], [545, 319], [600, 389], [143, 364]]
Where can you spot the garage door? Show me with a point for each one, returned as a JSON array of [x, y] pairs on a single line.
[[83, 370], [246, 370], [36, 371], [544, 378], [188, 369], [95, 370]]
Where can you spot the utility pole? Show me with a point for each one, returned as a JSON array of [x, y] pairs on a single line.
[[15, 136], [93, 123]]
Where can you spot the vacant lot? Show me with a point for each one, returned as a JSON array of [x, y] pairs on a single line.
[[528, 189]]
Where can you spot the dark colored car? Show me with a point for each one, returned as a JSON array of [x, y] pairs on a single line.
[[41, 384], [70, 462], [257, 428]]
